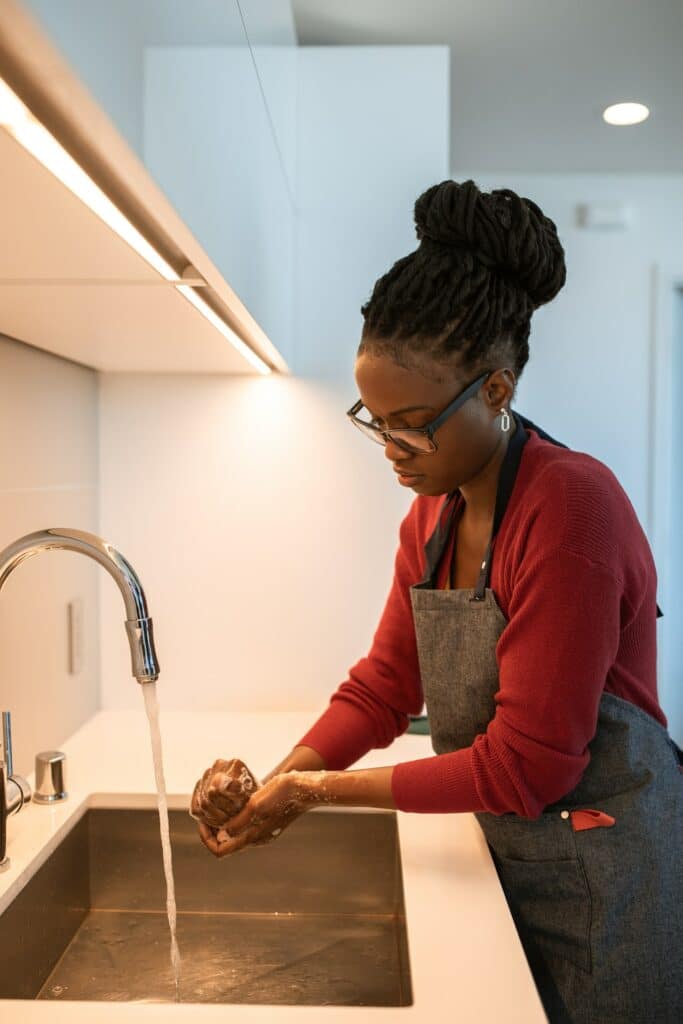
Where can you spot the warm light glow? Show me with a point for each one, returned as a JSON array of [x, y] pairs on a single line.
[[220, 325], [20, 123], [625, 113], [12, 110]]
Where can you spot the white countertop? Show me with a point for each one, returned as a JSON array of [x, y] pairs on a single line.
[[465, 957]]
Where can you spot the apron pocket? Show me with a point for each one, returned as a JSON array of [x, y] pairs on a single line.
[[552, 901]]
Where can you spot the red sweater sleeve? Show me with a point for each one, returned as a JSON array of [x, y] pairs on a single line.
[[576, 578], [371, 708], [553, 657]]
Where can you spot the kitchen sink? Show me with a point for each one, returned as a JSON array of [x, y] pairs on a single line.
[[315, 918]]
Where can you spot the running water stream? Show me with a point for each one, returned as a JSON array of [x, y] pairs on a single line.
[[152, 707]]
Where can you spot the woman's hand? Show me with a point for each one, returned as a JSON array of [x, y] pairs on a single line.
[[270, 809], [222, 792]]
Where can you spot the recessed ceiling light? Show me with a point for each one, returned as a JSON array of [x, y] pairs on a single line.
[[625, 113]]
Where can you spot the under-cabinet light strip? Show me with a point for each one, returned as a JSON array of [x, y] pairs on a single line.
[[29, 133], [35, 138], [199, 304]]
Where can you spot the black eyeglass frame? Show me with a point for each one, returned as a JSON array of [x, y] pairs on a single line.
[[429, 429]]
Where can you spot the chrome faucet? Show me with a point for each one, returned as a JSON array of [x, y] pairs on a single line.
[[14, 791]]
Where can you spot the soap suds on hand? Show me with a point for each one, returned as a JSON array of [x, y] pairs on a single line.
[[237, 784]]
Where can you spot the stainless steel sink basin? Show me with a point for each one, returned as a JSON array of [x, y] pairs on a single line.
[[315, 918]]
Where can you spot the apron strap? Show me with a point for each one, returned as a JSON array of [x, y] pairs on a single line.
[[435, 546], [506, 482]]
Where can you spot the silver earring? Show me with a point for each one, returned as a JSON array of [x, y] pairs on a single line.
[[505, 420]]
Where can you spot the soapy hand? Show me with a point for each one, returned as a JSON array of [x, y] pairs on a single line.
[[269, 810], [222, 792]]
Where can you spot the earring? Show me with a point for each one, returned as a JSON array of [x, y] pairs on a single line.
[[505, 420]]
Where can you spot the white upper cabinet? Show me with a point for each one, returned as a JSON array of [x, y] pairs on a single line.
[[167, 115]]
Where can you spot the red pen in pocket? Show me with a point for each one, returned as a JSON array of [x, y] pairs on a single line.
[[584, 819]]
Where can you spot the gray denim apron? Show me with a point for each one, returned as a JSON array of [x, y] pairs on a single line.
[[595, 884]]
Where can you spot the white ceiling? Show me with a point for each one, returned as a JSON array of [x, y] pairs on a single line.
[[530, 78]]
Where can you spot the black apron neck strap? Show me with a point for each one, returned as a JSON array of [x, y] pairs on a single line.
[[506, 482], [436, 545]]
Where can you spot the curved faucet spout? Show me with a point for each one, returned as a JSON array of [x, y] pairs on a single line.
[[145, 664]]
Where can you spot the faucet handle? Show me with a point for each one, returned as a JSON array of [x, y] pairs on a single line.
[[50, 777]]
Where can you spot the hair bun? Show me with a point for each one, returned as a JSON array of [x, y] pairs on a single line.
[[506, 233]]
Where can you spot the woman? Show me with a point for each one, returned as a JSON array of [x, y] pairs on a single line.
[[522, 612]]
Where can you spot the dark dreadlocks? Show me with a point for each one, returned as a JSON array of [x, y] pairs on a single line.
[[465, 296]]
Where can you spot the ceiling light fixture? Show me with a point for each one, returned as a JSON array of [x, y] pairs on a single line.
[[625, 113]]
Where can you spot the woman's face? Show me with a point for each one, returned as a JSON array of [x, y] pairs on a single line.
[[466, 441]]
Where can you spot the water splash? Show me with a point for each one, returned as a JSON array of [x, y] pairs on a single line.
[[152, 707]]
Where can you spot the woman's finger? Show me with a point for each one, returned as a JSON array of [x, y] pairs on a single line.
[[208, 837], [222, 805], [220, 792], [211, 814], [238, 822], [194, 800], [271, 804], [233, 844], [215, 808], [200, 792], [206, 776], [226, 794]]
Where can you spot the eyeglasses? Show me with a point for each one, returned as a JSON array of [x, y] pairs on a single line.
[[415, 439]]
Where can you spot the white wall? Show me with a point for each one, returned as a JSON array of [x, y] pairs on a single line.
[[262, 524], [587, 380], [670, 626], [48, 478]]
